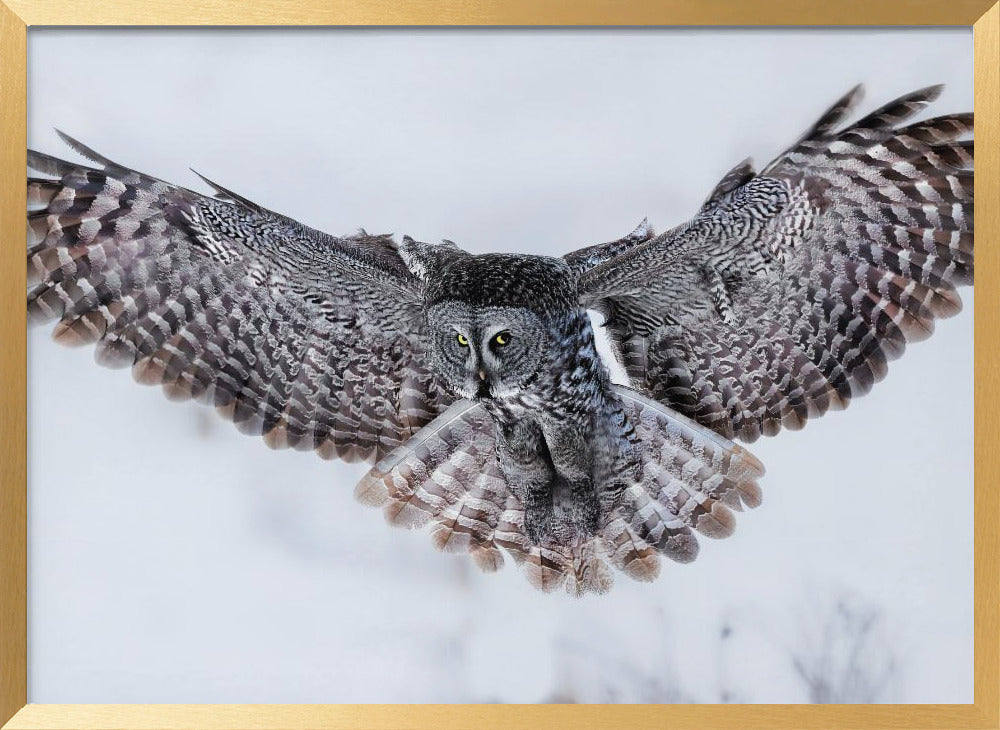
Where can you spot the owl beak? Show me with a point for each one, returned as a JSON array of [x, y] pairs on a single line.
[[483, 391]]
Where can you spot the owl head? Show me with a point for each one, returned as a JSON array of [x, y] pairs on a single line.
[[493, 319]]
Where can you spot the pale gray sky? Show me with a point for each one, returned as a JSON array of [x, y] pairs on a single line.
[[174, 560]]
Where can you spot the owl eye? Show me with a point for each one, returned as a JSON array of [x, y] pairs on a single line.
[[462, 340], [501, 338]]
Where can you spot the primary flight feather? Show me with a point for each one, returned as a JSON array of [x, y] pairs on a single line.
[[474, 383]]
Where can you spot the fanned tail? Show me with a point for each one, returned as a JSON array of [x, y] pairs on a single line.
[[447, 477]]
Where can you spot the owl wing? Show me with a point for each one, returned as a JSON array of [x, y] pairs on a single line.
[[788, 292], [313, 341]]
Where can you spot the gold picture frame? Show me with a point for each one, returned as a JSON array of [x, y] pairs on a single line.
[[15, 18]]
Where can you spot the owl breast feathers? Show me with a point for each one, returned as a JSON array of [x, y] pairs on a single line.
[[473, 382]]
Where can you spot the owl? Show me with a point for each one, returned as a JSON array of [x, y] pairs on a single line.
[[473, 382]]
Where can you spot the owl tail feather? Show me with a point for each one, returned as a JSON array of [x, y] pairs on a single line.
[[447, 477], [692, 480]]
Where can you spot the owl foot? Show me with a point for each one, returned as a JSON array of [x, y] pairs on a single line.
[[586, 513], [538, 522]]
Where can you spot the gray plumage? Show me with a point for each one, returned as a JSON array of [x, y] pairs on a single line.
[[312, 340], [790, 290], [474, 382]]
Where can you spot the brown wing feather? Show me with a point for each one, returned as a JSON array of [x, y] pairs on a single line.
[[787, 295], [311, 340]]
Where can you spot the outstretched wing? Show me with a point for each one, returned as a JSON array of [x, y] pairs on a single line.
[[789, 291], [309, 339]]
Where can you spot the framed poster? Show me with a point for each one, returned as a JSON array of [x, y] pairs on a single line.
[[172, 560]]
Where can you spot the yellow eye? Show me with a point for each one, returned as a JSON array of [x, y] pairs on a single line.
[[502, 338], [463, 340]]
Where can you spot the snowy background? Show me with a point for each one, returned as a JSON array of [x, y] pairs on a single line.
[[174, 560]]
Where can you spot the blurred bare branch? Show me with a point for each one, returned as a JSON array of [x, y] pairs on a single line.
[[846, 658], [613, 678]]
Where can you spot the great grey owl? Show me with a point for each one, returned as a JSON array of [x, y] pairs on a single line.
[[473, 382]]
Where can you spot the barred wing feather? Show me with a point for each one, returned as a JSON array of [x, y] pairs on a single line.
[[311, 340], [792, 288]]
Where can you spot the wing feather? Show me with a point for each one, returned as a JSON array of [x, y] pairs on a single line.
[[311, 340], [791, 290]]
